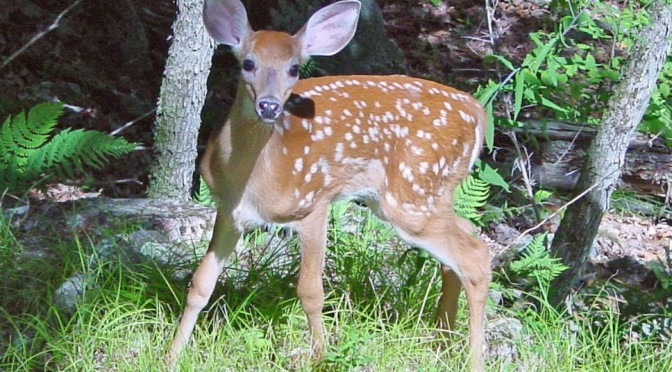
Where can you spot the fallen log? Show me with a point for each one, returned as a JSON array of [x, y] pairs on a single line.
[[556, 153]]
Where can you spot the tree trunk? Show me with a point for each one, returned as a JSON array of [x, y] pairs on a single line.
[[602, 169], [178, 116]]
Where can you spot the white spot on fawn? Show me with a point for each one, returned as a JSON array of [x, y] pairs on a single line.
[[318, 136], [298, 164], [466, 117], [422, 167], [338, 153], [390, 199]]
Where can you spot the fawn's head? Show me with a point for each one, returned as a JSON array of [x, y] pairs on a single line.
[[270, 60]]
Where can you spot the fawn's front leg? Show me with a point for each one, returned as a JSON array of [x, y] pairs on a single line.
[[224, 239], [312, 231]]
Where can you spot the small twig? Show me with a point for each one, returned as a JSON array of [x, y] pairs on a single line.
[[655, 137], [129, 180], [473, 70], [476, 38], [510, 76], [40, 34], [525, 170], [569, 147], [668, 257], [489, 12], [146, 114], [552, 215]]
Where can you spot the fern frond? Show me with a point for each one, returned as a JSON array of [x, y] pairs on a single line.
[[28, 153], [537, 262], [469, 196], [22, 134], [308, 68], [43, 117], [70, 151], [203, 195]]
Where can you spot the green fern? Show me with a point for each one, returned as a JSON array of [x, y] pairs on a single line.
[[536, 262], [308, 69], [203, 195], [471, 195], [30, 153]]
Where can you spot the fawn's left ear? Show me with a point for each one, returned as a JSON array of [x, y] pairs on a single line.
[[330, 29]]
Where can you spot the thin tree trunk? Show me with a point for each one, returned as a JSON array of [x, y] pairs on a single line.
[[178, 116], [578, 228]]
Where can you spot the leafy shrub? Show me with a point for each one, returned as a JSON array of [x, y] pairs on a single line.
[[570, 72]]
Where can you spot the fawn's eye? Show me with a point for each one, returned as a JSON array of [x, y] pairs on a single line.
[[294, 70], [248, 65]]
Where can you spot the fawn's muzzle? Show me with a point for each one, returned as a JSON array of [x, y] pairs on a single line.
[[269, 109]]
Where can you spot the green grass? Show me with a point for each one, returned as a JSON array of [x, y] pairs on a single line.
[[378, 313]]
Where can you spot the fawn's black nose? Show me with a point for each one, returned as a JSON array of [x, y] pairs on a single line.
[[268, 109]]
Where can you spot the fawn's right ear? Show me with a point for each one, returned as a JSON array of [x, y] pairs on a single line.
[[330, 29], [226, 21]]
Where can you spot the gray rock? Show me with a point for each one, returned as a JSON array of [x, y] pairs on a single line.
[[70, 293], [502, 336]]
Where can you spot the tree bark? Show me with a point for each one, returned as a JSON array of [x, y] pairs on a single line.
[[578, 228], [181, 99]]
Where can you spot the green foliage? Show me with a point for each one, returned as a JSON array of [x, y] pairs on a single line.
[[663, 270], [203, 195], [10, 250], [29, 154], [308, 69], [471, 195], [536, 262], [541, 195], [658, 117], [486, 173], [570, 72], [351, 352], [126, 313]]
